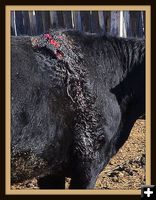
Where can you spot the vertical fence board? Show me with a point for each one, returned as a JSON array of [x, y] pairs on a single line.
[[126, 17], [132, 24], [140, 25], [19, 22], [60, 19], [123, 32], [53, 19], [143, 22], [32, 23], [86, 21], [115, 23], [26, 22], [101, 21], [121, 29], [12, 23], [46, 20], [136, 24], [67, 19], [39, 22], [72, 18], [95, 27], [107, 18], [77, 20]]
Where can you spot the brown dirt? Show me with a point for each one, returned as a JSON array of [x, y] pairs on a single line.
[[126, 170]]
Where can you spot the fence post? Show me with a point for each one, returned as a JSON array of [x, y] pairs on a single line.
[[76, 18], [102, 21], [39, 22], [143, 22], [115, 23], [123, 32], [53, 19], [95, 27], [126, 17], [136, 24], [60, 19], [13, 24], [107, 18], [67, 19], [26, 21], [19, 22], [32, 22], [46, 20], [86, 21]]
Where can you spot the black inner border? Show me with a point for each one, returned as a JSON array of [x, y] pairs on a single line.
[[3, 196]]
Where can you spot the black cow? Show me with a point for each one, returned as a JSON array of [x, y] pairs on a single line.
[[75, 98]]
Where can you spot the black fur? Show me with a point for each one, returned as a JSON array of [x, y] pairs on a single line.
[[71, 115]]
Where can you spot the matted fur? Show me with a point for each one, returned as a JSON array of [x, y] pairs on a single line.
[[79, 108]]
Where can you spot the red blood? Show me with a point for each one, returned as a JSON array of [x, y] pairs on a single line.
[[48, 36], [53, 42]]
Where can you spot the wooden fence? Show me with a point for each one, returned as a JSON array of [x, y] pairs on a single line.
[[116, 23]]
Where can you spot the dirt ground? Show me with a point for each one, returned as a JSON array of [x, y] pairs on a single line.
[[126, 170]]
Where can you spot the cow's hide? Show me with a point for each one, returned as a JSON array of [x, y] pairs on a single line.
[[75, 98]]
